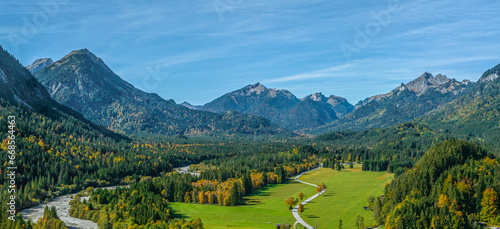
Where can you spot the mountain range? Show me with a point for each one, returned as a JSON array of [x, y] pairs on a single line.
[[318, 114], [281, 106], [404, 103], [83, 82]]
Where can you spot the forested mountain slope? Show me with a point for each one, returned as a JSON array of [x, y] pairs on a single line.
[[454, 185]]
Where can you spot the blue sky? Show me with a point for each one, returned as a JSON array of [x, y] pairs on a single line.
[[198, 50]]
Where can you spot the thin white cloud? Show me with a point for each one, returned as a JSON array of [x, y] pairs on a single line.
[[328, 72]]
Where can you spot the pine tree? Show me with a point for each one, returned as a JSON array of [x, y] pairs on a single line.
[[103, 221], [377, 209]]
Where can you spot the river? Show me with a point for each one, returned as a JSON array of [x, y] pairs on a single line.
[[62, 205]]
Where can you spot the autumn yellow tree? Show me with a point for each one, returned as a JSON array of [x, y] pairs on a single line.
[[201, 198], [301, 196], [323, 186], [443, 201], [489, 204], [290, 202], [301, 209]]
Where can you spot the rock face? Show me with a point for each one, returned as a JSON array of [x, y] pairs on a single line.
[[281, 106], [406, 102], [38, 64], [83, 82]]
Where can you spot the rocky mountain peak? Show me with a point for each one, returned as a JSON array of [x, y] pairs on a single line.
[[38, 64], [426, 81], [318, 97], [425, 76], [84, 51], [87, 75], [336, 100], [257, 88], [421, 85], [85, 58]]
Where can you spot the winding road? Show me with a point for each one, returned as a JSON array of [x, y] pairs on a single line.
[[295, 211]]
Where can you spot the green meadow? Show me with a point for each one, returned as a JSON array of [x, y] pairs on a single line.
[[347, 192]]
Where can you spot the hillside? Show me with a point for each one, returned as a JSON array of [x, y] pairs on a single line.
[[402, 104], [476, 115], [454, 185], [281, 106], [83, 82]]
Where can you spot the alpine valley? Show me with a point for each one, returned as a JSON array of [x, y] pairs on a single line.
[[424, 155]]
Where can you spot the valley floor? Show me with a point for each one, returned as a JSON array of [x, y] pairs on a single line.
[[347, 192]]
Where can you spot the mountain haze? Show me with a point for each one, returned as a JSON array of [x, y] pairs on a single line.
[[83, 82], [281, 106]]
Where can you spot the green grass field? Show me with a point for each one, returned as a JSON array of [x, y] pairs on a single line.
[[346, 195]]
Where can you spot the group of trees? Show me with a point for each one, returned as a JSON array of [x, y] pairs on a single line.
[[455, 185], [334, 162], [390, 149], [291, 202], [50, 220], [321, 187], [140, 206]]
